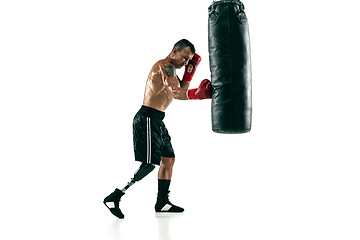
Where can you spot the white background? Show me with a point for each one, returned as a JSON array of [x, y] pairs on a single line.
[[72, 77]]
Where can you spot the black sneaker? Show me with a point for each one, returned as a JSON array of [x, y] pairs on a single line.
[[164, 205], [112, 203]]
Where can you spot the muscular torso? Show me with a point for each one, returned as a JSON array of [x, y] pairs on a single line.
[[157, 94]]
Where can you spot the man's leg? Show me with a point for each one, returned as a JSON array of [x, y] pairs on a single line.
[[166, 168], [164, 177]]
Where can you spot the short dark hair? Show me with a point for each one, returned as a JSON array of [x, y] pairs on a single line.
[[183, 43]]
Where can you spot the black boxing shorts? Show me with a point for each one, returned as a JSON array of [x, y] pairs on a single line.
[[151, 138]]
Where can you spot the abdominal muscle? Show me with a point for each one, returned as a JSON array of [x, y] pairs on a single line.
[[158, 101]]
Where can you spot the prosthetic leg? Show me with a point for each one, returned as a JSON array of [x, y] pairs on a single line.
[[112, 201], [143, 171]]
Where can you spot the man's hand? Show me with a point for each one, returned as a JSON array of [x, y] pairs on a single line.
[[191, 67], [204, 91]]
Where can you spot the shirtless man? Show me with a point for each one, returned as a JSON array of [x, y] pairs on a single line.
[[152, 142]]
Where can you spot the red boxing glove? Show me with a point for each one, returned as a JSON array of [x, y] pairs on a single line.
[[191, 67], [204, 91]]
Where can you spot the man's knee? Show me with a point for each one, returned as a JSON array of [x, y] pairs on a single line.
[[168, 162]]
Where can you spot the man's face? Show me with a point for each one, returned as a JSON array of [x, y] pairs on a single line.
[[182, 58]]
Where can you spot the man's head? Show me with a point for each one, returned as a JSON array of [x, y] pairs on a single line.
[[182, 52]]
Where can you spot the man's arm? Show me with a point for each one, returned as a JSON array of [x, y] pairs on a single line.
[[183, 84], [171, 82]]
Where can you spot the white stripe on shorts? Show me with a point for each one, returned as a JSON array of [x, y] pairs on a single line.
[[148, 140]]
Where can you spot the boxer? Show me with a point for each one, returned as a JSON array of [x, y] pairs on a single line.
[[152, 142]]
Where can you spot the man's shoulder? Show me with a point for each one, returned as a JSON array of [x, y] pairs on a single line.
[[161, 64], [168, 69], [164, 67], [158, 66], [156, 73]]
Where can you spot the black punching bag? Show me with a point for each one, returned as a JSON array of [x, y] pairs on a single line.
[[230, 66]]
